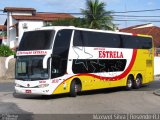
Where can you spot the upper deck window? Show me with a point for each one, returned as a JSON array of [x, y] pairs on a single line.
[[110, 40], [96, 39], [36, 40]]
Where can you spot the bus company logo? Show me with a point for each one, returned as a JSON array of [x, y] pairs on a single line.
[[24, 52], [55, 80], [28, 85], [32, 52], [110, 54], [39, 52], [42, 81]]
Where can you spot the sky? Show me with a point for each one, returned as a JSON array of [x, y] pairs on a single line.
[[75, 6]]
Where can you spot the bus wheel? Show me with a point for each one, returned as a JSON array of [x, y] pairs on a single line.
[[73, 89], [129, 84], [138, 82]]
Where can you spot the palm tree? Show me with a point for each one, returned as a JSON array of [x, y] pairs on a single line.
[[77, 22], [96, 15]]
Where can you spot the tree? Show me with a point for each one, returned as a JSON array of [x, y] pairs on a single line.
[[3, 33], [77, 22], [96, 15]]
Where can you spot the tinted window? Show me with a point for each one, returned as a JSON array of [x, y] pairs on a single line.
[[62, 43], [96, 39], [136, 42], [30, 68], [60, 53], [36, 40], [95, 66]]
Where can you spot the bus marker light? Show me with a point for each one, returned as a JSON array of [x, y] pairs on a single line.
[[43, 85], [17, 85]]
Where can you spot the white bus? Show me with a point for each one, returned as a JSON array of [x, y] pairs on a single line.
[[55, 60]]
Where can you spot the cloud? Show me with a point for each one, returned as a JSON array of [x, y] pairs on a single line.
[[71, 5], [2, 20], [65, 5], [111, 1], [150, 3]]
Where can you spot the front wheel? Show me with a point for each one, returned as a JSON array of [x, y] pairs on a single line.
[[129, 84], [73, 89]]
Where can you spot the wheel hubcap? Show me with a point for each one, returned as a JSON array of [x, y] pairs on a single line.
[[76, 88], [129, 83], [138, 81]]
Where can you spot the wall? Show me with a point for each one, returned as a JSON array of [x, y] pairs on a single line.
[[12, 39], [31, 25], [22, 13], [4, 73], [156, 65]]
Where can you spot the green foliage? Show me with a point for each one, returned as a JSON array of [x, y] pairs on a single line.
[[64, 22], [3, 33], [96, 15], [5, 51], [77, 22]]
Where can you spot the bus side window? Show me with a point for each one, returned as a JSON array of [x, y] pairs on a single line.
[[56, 64], [60, 53], [78, 38]]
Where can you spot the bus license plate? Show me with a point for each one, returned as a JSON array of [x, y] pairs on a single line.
[[28, 91]]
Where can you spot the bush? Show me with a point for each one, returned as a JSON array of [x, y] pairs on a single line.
[[5, 51]]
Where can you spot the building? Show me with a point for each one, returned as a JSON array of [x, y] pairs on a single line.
[[147, 29], [22, 19], [2, 33]]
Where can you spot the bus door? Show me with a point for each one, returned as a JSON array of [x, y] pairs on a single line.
[[60, 53]]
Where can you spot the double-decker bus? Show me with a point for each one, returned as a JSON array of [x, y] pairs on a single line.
[[55, 60]]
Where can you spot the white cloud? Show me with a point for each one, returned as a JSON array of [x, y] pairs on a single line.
[[111, 1], [71, 5], [65, 5], [150, 3], [2, 19]]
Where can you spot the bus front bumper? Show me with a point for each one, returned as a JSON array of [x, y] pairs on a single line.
[[33, 91]]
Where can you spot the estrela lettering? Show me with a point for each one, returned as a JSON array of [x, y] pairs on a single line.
[[110, 54]]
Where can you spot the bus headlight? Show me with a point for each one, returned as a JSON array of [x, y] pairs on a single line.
[[43, 85], [17, 85]]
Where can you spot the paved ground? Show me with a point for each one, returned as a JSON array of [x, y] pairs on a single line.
[[96, 102]]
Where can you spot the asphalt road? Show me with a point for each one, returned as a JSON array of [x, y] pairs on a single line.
[[108, 101]]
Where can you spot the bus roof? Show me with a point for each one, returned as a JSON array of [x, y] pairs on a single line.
[[87, 29]]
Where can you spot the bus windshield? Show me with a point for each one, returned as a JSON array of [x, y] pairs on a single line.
[[36, 40], [30, 68]]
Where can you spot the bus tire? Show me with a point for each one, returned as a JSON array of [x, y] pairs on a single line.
[[129, 83], [137, 82], [73, 89]]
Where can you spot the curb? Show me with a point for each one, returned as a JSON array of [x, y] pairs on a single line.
[[157, 92], [6, 80], [157, 77]]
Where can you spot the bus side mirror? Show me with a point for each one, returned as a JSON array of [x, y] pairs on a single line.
[[7, 60], [45, 59]]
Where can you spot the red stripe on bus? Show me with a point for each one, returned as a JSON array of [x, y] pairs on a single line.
[[124, 74], [116, 78]]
